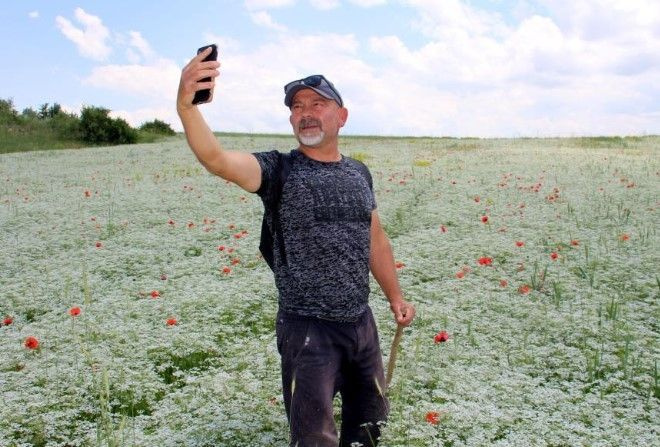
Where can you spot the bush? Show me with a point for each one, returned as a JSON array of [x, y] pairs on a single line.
[[97, 127], [158, 127], [66, 126], [8, 114]]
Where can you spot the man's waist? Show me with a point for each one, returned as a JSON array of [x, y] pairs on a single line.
[[298, 315]]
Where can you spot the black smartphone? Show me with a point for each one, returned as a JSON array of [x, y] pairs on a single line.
[[204, 95]]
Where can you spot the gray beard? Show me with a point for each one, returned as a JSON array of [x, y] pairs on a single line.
[[312, 140]]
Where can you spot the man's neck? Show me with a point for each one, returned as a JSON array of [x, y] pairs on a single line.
[[324, 154]]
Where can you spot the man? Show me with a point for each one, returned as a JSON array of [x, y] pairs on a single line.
[[331, 237]]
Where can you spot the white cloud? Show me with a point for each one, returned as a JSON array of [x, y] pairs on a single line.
[[33, 14], [368, 3], [253, 5], [139, 42], [146, 76], [139, 116], [224, 43], [263, 19], [474, 74], [90, 39], [325, 5], [553, 75], [605, 19], [156, 81], [249, 95]]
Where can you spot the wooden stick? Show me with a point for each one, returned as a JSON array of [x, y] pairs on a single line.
[[393, 352]]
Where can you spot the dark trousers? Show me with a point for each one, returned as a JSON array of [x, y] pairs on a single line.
[[321, 358]]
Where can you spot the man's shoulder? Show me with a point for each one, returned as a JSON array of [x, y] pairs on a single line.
[[356, 162], [361, 168]]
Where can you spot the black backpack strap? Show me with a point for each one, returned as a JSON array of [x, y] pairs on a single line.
[[272, 234], [285, 169]]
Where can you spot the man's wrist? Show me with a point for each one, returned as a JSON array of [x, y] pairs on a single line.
[[396, 300]]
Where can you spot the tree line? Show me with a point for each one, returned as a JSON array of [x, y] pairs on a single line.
[[94, 126]]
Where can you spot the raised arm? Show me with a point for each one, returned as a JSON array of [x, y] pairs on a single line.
[[237, 167]]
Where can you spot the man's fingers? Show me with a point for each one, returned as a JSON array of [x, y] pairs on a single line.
[[210, 73], [405, 314], [201, 55]]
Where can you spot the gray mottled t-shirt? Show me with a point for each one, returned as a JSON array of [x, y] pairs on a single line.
[[325, 218]]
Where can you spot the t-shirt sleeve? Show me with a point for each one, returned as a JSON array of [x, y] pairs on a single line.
[[269, 162], [364, 171]]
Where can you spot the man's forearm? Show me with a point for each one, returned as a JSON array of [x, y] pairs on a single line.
[[200, 138], [383, 268]]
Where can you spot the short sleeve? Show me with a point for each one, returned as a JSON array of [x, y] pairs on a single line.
[[269, 162], [364, 171]]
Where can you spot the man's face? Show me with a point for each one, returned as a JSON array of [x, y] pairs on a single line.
[[315, 119]]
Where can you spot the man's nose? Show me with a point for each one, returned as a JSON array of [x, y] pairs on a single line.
[[307, 111]]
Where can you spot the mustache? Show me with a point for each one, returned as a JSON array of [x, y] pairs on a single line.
[[308, 122]]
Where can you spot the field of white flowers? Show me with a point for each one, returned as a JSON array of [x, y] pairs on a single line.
[[135, 310]]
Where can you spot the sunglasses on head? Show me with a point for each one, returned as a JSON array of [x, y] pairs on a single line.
[[316, 81]]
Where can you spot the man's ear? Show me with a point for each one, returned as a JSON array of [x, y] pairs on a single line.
[[343, 116]]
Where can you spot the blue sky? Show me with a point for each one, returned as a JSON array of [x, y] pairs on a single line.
[[486, 68]]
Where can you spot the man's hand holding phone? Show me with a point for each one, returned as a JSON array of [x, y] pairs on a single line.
[[198, 78]]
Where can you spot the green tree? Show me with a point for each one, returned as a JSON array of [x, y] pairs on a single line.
[[47, 111], [158, 127], [29, 114], [8, 114], [97, 127]]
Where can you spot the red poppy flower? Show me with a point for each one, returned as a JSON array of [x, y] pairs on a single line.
[[519, 243], [485, 260], [235, 261], [460, 274], [171, 222], [624, 237], [238, 235], [99, 245], [443, 228], [155, 294], [171, 321], [87, 193], [163, 277], [477, 199], [575, 242], [484, 219], [7, 321], [433, 417], [191, 224], [221, 248], [31, 342], [504, 283], [399, 265], [226, 270], [554, 255], [441, 337], [524, 289], [74, 311]]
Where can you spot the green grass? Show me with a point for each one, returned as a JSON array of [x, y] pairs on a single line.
[[41, 138]]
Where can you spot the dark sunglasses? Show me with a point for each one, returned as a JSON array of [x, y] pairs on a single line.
[[316, 81]]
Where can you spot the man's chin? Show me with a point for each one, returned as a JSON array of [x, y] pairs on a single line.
[[311, 140]]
